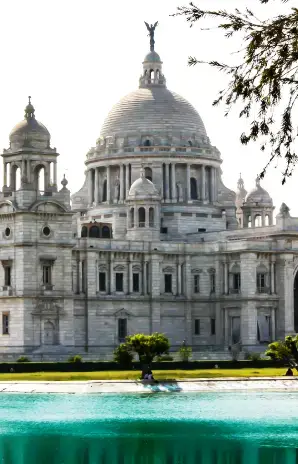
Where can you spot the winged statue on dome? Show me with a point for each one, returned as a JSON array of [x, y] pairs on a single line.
[[151, 30]]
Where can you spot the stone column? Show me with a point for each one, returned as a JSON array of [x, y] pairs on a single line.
[[167, 168], [112, 284], [203, 183], [273, 324], [23, 169], [28, 170], [147, 217], [121, 183], [272, 277], [212, 185], [136, 216], [89, 173], [145, 278], [55, 173], [108, 184], [96, 181], [130, 275], [215, 184], [188, 182], [174, 196], [5, 174], [126, 180], [226, 278]]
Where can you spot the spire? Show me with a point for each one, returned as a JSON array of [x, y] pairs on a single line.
[[240, 183], [152, 65], [258, 181], [151, 30], [29, 110]]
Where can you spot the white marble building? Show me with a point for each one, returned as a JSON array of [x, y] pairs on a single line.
[[153, 241]]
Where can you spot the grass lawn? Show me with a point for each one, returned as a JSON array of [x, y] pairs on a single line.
[[134, 375]]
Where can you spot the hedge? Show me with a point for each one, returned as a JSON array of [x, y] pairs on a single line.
[[112, 366]]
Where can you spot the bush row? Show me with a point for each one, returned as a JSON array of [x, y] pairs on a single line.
[[23, 367]]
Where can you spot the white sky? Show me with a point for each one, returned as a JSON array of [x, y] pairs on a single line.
[[77, 58]]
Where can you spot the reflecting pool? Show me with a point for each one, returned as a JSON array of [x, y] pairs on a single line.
[[207, 428]]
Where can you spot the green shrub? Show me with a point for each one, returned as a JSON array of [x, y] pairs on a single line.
[[185, 353], [165, 357], [23, 359], [255, 357], [123, 355], [75, 359]]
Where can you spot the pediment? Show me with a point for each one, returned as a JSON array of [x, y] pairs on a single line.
[[136, 268], [6, 208], [102, 267], [123, 313], [168, 269], [49, 207], [196, 271], [119, 268]]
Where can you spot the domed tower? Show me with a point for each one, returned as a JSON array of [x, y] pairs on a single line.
[[258, 207], [155, 128], [143, 210], [30, 163], [240, 198]]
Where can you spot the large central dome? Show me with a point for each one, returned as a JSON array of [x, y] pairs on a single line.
[[152, 110]]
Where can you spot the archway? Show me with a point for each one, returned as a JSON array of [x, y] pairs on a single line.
[[49, 333], [94, 232], [148, 174], [142, 217], [258, 220], [105, 232], [104, 190], [296, 303], [39, 178], [193, 189]]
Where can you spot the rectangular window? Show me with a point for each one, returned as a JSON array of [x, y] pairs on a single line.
[[122, 328], [7, 276], [236, 282], [102, 281], [196, 283], [46, 275], [135, 282], [5, 323], [212, 283], [168, 283], [261, 282], [212, 326], [119, 282], [197, 327]]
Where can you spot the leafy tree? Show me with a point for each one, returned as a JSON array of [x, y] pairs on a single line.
[[286, 351], [123, 355], [265, 79], [148, 346]]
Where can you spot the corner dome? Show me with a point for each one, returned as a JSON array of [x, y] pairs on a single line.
[[29, 132], [153, 110], [258, 195], [142, 187], [152, 57]]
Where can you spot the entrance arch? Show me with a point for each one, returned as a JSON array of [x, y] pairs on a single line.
[[49, 333], [296, 303]]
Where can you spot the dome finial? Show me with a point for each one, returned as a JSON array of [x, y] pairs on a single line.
[[29, 110], [64, 181], [151, 30], [258, 181]]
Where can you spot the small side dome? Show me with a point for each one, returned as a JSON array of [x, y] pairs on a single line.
[[29, 132], [152, 57], [142, 187], [258, 195]]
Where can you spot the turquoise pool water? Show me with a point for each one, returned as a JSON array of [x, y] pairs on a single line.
[[208, 428]]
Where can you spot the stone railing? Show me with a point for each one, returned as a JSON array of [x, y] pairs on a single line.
[[108, 151]]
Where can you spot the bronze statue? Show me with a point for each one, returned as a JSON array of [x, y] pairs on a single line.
[[151, 30]]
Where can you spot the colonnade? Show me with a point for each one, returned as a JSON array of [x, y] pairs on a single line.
[[28, 171], [164, 177]]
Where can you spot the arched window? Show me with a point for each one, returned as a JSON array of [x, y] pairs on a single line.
[[147, 143], [84, 232], [132, 217], [258, 220], [142, 215], [193, 189], [52, 173], [267, 220], [249, 221], [16, 177], [104, 190], [151, 217], [148, 174], [94, 232], [105, 232], [151, 74]]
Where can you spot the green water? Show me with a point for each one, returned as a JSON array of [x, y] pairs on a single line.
[[227, 428]]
